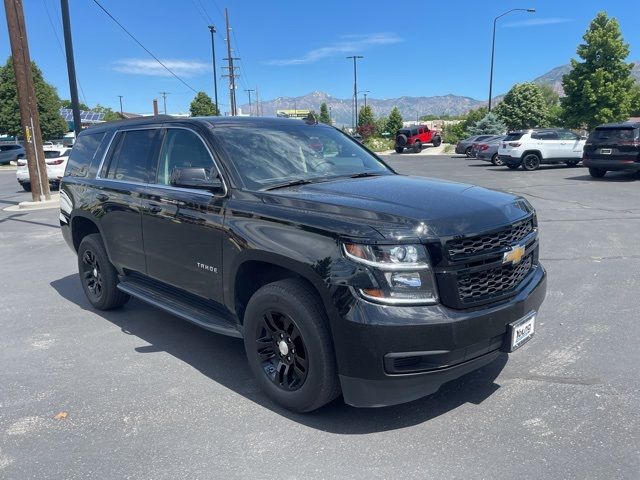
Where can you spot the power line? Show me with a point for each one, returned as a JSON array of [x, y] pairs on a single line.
[[143, 47]]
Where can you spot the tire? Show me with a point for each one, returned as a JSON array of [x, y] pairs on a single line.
[[573, 163], [496, 160], [399, 149], [286, 326], [401, 140], [417, 146], [98, 277], [597, 172], [436, 141], [531, 162], [511, 166], [467, 152], [26, 187]]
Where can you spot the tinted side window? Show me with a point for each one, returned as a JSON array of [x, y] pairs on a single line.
[[131, 154], [513, 136], [544, 136], [83, 154], [567, 135], [180, 149]]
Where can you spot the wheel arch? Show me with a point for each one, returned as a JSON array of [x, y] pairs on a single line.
[[537, 152]]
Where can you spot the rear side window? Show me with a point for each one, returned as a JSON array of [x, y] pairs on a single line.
[[544, 136], [131, 155], [511, 137], [567, 135], [83, 154], [614, 135]]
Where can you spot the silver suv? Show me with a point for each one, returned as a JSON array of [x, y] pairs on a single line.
[[531, 148]]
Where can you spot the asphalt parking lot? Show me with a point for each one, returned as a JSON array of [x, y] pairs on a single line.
[[149, 396]]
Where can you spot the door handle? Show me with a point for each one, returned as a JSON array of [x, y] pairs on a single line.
[[102, 197]]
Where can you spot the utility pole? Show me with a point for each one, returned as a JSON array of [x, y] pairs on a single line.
[[29, 117], [232, 73], [249, 93], [355, 90], [71, 66], [212, 29], [164, 100], [257, 103], [120, 97]]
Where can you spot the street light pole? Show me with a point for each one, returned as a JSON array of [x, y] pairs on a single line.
[[493, 44], [365, 92], [212, 29], [355, 90]]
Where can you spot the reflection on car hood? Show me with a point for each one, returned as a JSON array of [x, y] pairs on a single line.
[[396, 205]]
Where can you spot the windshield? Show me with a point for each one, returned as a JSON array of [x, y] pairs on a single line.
[[271, 155]]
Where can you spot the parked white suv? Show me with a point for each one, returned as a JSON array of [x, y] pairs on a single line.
[[56, 159], [531, 148]]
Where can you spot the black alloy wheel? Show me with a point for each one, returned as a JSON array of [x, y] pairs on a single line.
[[281, 349], [467, 152], [91, 274], [530, 162]]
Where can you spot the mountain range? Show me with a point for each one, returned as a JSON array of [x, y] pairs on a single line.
[[410, 107]]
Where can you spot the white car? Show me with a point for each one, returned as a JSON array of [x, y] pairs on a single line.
[[531, 148], [56, 159]]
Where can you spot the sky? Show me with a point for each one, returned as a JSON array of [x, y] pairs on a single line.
[[291, 48]]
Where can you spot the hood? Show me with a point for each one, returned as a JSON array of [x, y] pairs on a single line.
[[401, 206]]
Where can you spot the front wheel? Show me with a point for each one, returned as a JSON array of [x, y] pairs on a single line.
[[530, 162], [399, 149], [417, 147], [436, 141], [26, 187], [572, 163], [98, 276], [597, 172], [289, 347], [496, 160]]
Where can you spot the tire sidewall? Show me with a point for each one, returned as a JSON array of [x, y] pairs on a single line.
[[496, 160], [528, 168], [321, 363], [109, 277]]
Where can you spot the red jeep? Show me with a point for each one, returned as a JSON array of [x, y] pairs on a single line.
[[415, 137]]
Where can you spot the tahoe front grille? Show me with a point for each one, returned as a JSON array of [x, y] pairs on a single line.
[[494, 281], [490, 242]]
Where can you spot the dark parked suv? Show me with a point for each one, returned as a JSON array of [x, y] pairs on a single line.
[[612, 147], [341, 275]]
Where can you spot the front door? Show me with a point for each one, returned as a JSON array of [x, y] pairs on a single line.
[[182, 227]]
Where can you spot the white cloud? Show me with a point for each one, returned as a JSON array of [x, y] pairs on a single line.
[[536, 22], [346, 44], [143, 66]]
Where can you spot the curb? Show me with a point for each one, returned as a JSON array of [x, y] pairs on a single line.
[[29, 206]]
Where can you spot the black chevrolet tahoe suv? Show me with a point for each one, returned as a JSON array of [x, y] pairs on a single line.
[[342, 276]]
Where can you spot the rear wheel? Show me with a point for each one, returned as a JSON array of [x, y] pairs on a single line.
[[531, 161], [467, 152], [26, 187], [417, 147], [597, 172], [399, 149], [99, 278], [436, 141], [496, 160], [289, 347]]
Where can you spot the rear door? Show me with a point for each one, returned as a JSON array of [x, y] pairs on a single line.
[[122, 180], [182, 227], [614, 143], [570, 144], [548, 143]]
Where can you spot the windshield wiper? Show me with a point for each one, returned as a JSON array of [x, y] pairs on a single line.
[[292, 183], [366, 174]]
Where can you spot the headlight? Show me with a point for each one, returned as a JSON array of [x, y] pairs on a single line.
[[403, 273]]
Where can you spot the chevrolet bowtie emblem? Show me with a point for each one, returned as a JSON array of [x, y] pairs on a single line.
[[513, 256]]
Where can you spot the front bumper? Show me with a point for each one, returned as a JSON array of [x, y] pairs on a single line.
[[432, 344], [612, 164]]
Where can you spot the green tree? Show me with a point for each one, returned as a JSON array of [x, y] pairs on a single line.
[[635, 101], [52, 124], [109, 114], [454, 132], [395, 121], [365, 117], [598, 88], [381, 126], [523, 106], [489, 125], [67, 104], [324, 114], [203, 106], [474, 116]]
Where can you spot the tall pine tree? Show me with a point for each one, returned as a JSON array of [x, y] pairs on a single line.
[[395, 121], [599, 89], [324, 114], [524, 106]]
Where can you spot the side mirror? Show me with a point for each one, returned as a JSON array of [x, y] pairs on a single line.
[[195, 178]]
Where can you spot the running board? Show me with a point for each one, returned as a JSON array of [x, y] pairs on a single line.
[[204, 316]]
